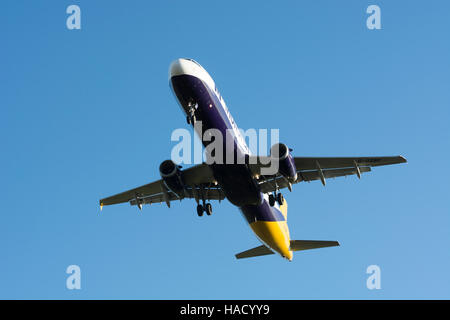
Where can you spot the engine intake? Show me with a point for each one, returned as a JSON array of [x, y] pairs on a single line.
[[286, 163], [171, 175]]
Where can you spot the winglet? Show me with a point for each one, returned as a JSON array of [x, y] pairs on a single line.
[[101, 206]]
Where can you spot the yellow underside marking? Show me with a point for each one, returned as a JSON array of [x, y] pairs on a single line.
[[283, 209], [275, 234]]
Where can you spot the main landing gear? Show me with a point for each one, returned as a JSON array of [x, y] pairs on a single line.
[[201, 196], [204, 208], [278, 197]]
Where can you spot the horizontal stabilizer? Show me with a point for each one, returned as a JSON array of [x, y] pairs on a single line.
[[298, 245], [258, 251]]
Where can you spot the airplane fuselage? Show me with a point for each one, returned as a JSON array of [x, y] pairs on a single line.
[[196, 91]]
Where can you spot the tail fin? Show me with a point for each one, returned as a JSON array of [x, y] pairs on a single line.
[[299, 245]]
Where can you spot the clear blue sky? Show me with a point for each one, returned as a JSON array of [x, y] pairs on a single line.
[[89, 113]]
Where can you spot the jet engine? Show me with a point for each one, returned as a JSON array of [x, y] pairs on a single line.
[[286, 164], [171, 175]]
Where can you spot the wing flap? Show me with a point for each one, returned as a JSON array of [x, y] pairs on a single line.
[[310, 163], [330, 173], [210, 194], [270, 185]]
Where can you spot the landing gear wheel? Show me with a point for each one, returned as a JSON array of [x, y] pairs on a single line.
[[200, 210], [191, 119], [208, 209], [271, 200], [280, 199]]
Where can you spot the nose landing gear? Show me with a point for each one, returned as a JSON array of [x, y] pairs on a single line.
[[191, 118]]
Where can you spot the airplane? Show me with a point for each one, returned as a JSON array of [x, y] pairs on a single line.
[[242, 183]]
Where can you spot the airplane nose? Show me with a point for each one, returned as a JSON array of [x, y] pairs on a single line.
[[183, 66], [175, 68]]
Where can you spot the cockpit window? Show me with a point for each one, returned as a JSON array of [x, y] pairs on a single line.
[[193, 61]]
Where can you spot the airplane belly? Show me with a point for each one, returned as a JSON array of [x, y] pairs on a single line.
[[237, 184]]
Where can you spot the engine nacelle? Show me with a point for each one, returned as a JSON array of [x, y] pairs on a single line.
[[171, 175], [286, 163]]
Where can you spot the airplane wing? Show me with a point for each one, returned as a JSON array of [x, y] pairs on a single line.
[[198, 181], [322, 168], [310, 163]]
